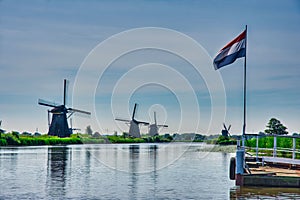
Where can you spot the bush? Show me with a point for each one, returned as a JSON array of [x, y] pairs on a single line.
[[12, 138], [222, 140], [3, 142]]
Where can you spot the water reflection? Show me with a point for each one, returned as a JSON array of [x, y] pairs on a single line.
[[136, 171], [134, 151], [153, 154], [56, 170], [149, 156]]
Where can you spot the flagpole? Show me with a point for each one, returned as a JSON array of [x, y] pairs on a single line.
[[245, 87]]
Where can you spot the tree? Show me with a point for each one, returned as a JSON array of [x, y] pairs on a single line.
[[89, 130], [275, 127]]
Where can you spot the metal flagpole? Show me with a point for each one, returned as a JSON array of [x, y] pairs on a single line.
[[245, 81]]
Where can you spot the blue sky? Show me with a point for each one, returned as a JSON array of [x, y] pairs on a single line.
[[43, 42]]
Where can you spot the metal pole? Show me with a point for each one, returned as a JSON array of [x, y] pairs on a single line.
[[245, 87], [275, 147], [294, 148]]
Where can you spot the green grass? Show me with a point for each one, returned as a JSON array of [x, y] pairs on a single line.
[[14, 139], [145, 139], [268, 142], [25, 140]]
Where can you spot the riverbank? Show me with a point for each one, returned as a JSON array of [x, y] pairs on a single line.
[[219, 148], [14, 139]]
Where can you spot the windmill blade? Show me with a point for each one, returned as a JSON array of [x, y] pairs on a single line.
[[229, 127], [65, 91], [79, 111], [134, 110], [155, 118], [160, 125], [47, 103], [122, 120], [225, 126], [141, 122]]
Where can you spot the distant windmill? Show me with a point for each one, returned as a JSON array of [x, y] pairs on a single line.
[[59, 123], [71, 124], [134, 129], [153, 128], [225, 131]]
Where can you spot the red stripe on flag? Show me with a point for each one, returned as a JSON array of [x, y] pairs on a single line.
[[235, 40]]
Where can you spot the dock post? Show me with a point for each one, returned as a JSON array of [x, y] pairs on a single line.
[[257, 148], [275, 147], [240, 162], [294, 148]]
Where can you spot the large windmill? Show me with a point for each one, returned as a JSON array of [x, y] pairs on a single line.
[[153, 128], [60, 114], [134, 129]]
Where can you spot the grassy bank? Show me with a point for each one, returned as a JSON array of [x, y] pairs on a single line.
[[221, 140], [219, 148], [145, 139], [14, 139]]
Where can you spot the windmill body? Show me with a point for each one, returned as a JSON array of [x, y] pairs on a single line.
[[134, 128], [59, 124], [153, 128], [60, 114]]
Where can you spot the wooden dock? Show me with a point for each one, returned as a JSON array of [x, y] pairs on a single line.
[[267, 171]]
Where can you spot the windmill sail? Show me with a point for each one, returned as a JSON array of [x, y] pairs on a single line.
[[134, 129]]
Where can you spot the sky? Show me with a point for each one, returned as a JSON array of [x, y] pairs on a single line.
[[44, 42]]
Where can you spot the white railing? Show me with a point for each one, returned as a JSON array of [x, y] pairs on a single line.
[[275, 148]]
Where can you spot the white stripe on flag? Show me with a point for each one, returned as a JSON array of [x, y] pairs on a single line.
[[236, 47]]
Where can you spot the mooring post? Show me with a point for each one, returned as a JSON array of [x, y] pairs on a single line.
[[240, 162], [275, 147], [238, 143], [294, 148], [257, 148]]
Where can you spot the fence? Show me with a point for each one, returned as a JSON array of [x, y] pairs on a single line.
[[260, 151]]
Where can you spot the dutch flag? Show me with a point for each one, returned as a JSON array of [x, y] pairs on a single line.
[[233, 50]]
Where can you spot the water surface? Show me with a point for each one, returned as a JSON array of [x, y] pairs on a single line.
[[122, 171]]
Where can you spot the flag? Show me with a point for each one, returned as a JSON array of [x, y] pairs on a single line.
[[233, 50]]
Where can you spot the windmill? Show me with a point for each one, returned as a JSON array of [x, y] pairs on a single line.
[[134, 129], [60, 114], [71, 124], [153, 128], [225, 131]]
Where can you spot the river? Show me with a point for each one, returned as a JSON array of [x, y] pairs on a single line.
[[123, 171]]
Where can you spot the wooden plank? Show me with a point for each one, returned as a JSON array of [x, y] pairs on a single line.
[[281, 160]]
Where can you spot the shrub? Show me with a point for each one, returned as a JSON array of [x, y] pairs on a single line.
[[3, 142]]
